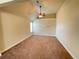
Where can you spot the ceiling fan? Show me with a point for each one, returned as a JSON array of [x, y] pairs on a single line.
[[42, 15]]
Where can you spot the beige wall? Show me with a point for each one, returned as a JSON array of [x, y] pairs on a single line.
[[1, 36], [68, 26], [44, 27], [15, 29]]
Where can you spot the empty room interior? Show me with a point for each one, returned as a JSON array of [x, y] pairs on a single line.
[[39, 29]]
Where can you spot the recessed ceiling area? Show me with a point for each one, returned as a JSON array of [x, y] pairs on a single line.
[[28, 7]]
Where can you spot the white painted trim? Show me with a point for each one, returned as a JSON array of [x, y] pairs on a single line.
[[44, 35], [67, 49], [17, 43]]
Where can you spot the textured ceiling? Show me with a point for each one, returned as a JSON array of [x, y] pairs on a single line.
[[28, 7], [21, 8], [49, 6]]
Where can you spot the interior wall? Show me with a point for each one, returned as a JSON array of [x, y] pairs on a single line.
[[15, 29], [44, 26], [67, 30], [1, 36]]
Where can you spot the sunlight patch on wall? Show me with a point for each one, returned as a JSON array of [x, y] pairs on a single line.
[[31, 28]]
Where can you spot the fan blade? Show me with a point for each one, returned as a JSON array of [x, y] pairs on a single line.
[[48, 16]]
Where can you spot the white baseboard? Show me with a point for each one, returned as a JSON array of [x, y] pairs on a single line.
[[44, 35], [16, 43], [67, 49]]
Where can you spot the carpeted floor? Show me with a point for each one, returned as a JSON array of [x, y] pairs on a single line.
[[37, 47]]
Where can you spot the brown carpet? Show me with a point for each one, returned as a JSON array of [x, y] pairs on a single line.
[[37, 47]]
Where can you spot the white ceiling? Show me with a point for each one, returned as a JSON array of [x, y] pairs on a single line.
[[5, 1], [49, 6], [28, 7]]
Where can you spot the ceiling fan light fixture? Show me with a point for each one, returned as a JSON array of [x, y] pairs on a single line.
[[40, 15]]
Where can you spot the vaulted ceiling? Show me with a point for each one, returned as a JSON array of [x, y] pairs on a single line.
[[28, 7]]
